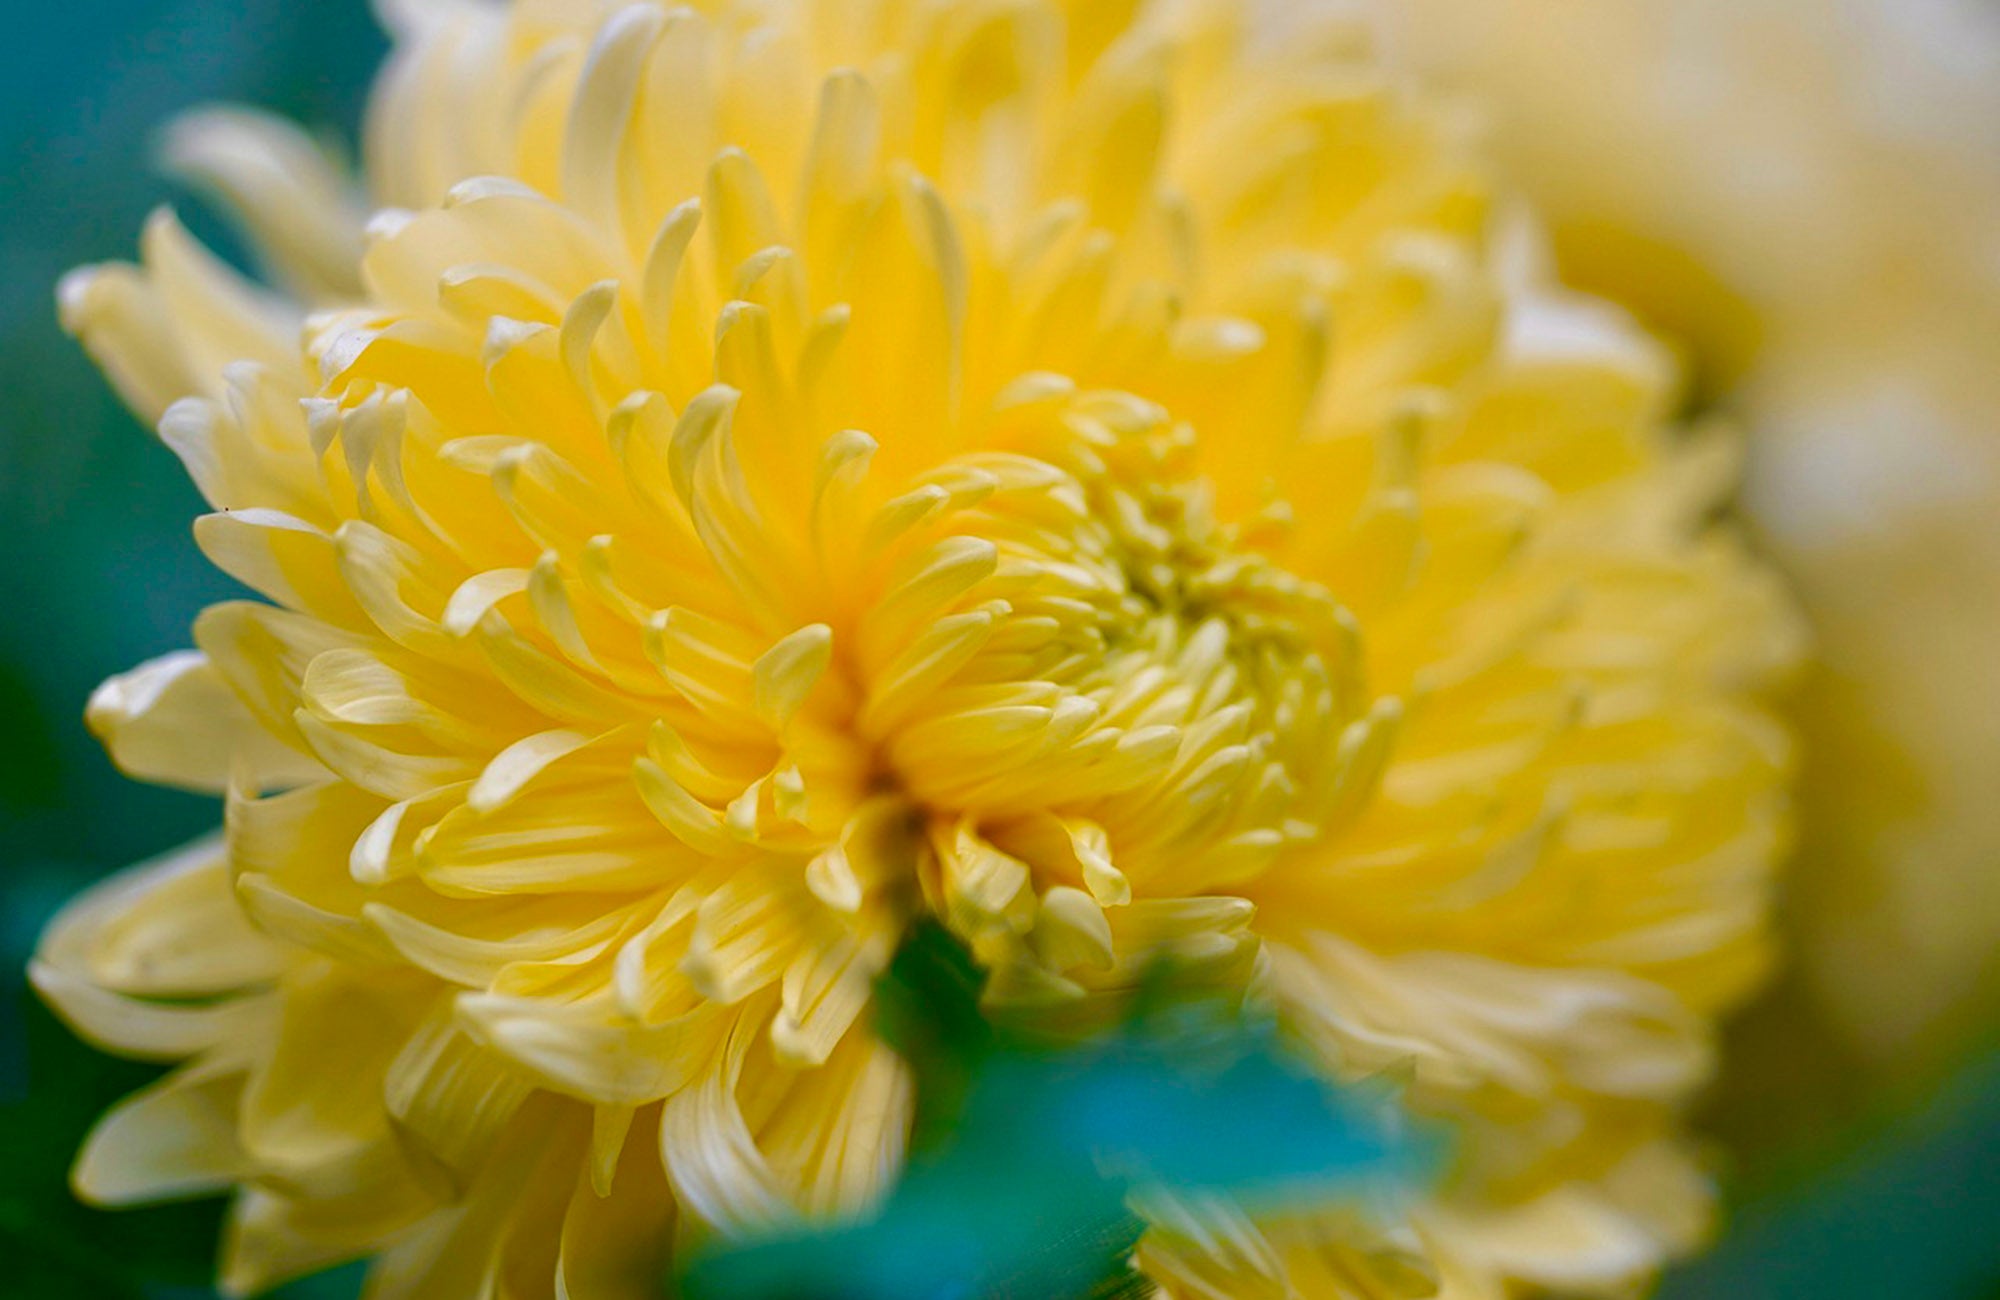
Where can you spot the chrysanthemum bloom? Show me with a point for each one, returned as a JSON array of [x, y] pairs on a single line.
[[779, 471]]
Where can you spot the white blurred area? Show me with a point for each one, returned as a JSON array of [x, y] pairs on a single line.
[[1807, 194]]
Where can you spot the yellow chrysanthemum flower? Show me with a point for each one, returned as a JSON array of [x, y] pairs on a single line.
[[772, 472]]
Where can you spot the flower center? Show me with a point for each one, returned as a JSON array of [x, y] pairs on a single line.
[[1123, 658]]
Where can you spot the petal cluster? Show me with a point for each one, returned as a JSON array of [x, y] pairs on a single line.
[[772, 471]]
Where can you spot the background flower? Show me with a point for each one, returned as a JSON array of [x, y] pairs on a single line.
[[1809, 198]]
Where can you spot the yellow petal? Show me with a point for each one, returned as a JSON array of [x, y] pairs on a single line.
[[592, 1051], [174, 1139], [175, 721]]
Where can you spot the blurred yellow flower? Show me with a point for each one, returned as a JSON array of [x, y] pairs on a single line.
[[778, 471], [1809, 197]]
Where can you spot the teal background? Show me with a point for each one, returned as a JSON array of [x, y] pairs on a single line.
[[1860, 1197], [98, 569]]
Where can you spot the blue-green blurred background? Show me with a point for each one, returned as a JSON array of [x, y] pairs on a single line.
[[1844, 1187]]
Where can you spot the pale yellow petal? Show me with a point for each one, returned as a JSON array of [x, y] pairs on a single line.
[[175, 721], [282, 187], [174, 1139]]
